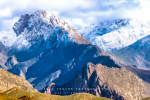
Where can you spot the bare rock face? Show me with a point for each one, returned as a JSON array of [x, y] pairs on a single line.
[[115, 83]]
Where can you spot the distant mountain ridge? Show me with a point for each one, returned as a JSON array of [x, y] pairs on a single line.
[[116, 34]]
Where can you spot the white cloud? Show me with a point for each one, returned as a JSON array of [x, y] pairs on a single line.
[[111, 2], [62, 5], [8, 23], [6, 12], [14, 4], [142, 13], [77, 13], [76, 22], [54, 5]]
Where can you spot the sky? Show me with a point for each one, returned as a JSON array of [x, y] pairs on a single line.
[[78, 13]]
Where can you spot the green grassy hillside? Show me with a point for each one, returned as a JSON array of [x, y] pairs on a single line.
[[25, 95], [5, 97]]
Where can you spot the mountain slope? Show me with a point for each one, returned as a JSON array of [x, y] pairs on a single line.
[[137, 53], [8, 80], [116, 34]]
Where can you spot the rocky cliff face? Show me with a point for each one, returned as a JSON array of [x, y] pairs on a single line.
[[115, 83]]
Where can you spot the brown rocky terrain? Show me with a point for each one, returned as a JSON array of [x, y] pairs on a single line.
[[9, 80], [115, 83]]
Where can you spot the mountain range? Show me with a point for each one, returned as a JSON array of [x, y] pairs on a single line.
[[127, 39], [50, 54]]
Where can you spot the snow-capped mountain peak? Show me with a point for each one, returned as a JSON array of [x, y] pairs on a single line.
[[38, 19], [39, 26]]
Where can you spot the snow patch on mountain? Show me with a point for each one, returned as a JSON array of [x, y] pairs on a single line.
[[8, 37]]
